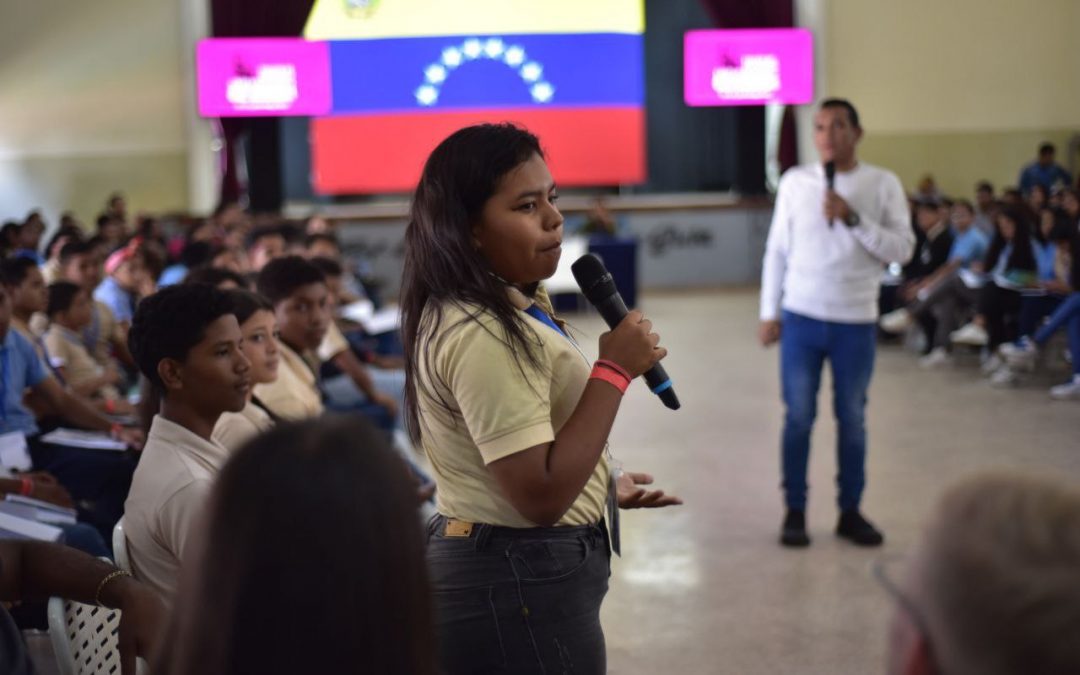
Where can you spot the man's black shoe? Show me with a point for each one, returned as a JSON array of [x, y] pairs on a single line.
[[853, 527], [793, 532]]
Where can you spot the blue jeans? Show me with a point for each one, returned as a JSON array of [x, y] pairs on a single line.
[[1068, 315], [805, 344]]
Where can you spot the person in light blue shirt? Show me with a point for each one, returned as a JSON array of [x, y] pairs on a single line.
[[1045, 172], [127, 272]]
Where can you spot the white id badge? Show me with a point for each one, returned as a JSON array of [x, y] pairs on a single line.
[[14, 453]]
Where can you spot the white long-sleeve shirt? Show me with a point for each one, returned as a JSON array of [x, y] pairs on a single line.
[[833, 273]]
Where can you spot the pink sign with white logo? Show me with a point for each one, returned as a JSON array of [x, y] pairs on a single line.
[[749, 67], [241, 77]]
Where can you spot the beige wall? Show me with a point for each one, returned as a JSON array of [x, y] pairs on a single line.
[[963, 89], [91, 101]]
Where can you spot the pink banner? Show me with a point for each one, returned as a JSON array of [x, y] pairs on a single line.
[[749, 67], [240, 77]]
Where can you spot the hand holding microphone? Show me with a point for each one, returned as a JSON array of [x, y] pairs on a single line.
[[835, 206], [632, 344], [630, 336]]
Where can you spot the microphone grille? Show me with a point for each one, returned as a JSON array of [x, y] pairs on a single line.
[[592, 277]]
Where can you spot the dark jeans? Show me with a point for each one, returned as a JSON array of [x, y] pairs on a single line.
[[519, 601], [98, 480], [805, 344], [1000, 307], [1033, 309]]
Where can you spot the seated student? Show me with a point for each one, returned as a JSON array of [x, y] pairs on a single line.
[[994, 585], [944, 295], [195, 254], [112, 230], [186, 341], [347, 382], [29, 299], [931, 254], [301, 300], [1024, 353], [346, 593], [1053, 256], [70, 311], [126, 276], [97, 481], [31, 570], [104, 338], [258, 328], [1012, 267], [263, 245], [64, 234]]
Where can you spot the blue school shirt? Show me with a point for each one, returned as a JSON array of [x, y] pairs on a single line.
[[1045, 257], [969, 247], [115, 298], [20, 369]]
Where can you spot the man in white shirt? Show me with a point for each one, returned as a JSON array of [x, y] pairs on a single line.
[[824, 259]]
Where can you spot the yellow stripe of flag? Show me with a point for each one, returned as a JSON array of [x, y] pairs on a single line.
[[360, 19]]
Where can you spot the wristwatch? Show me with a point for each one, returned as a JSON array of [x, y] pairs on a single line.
[[853, 219]]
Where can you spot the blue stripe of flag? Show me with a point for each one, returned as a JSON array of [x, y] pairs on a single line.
[[584, 69]]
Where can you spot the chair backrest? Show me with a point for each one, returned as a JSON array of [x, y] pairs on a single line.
[[120, 547], [84, 637]]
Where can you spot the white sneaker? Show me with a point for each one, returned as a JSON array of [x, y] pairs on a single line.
[[896, 321], [992, 364], [1004, 377], [937, 357], [1020, 355], [1067, 391], [970, 335]]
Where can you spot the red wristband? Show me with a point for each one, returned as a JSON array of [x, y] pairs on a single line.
[[608, 375], [27, 487], [110, 406], [616, 367], [115, 430]]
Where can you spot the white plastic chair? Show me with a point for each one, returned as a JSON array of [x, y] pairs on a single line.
[[120, 548], [84, 637]]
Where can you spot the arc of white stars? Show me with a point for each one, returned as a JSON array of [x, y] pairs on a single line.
[[473, 49]]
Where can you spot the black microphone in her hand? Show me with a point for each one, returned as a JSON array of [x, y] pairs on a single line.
[[599, 289], [830, 178]]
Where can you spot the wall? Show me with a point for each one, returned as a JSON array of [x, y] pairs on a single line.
[[964, 89], [91, 101]]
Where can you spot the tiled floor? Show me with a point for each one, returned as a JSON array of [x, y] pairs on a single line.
[[704, 588]]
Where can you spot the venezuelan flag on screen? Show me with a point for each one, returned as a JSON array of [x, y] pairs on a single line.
[[408, 73]]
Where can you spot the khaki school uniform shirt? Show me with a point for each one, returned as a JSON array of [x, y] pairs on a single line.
[[498, 410], [99, 336], [295, 395], [333, 343], [67, 350], [168, 495], [234, 429]]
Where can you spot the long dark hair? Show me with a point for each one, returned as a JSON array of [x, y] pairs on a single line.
[[441, 264], [1022, 256], [312, 562]]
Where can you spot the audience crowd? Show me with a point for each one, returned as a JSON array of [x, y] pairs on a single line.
[[210, 347], [1000, 277]]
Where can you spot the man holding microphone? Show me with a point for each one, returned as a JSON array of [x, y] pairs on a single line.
[[835, 226]]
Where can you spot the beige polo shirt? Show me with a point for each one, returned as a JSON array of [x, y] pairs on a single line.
[[295, 394], [234, 429], [498, 410], [66, 348], [334, 342], [103, 330], [168, 495]]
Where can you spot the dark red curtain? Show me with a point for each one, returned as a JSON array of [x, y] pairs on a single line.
[[249, 18], [761, 14]]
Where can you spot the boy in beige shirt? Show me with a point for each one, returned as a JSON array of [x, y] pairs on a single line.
[[186, 341]]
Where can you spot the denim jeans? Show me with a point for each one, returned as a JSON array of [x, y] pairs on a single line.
[[805, 344], [519, 601], [1068, 315]]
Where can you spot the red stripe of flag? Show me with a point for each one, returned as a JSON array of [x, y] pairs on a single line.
[[385, 153]]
